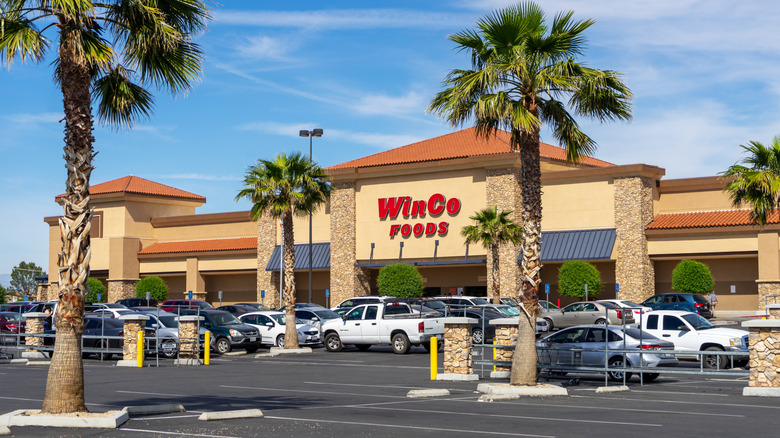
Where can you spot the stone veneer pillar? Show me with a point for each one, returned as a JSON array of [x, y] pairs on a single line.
[[34, 325], [346, 280], [768, 293], [633, 212], [120, 289], [266, 242], [502, 187], [458, 349], [132, 324], [52, 292], [764, 358], [189, 349], [506, 334], [773, 311]]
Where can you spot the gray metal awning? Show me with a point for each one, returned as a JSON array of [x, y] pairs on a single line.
[[320, 254], [558, 246]]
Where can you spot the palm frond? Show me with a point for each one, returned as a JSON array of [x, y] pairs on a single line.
[[121, 101], [20, 38], [566, 130], [756, 180]]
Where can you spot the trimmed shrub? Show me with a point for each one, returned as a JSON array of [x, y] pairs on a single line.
[[2, 294], [574, 275], [400, 280], [96, 288], [155, 286], [692, 277]]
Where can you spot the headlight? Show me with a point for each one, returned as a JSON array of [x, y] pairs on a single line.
[[736, 342], [236, 333]]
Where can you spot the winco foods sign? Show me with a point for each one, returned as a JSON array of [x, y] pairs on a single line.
[[407, 208]]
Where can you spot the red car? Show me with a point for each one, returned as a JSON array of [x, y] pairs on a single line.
[[174, 305], [11, 322]]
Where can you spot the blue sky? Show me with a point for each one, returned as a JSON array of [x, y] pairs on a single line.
[[704, 75]]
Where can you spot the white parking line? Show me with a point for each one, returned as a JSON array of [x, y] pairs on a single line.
[[312, 392], [378, 386], [163, 418], [698, 403], [155, 393], [362, 365], [396, 426], [160, 432], [680, 393]]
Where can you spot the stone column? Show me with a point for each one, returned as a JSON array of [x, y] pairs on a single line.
[[503, 190], [506, 334], [633, 211], [346, 280], [120, 289], [458, 350], [132, 325], [266, 242], [764, 358], [34, 325], [189, 339], [52, 292]]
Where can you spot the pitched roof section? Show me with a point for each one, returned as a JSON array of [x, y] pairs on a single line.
[[214, 245], [460, 144], [320, 255], [707, 219], [577, 245], [140, 186]]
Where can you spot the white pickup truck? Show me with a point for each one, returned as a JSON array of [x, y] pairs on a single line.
[[689, 331], [393, 324]]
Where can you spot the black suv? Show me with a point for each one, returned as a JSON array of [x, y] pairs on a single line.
[[227, 332], [138, 302]]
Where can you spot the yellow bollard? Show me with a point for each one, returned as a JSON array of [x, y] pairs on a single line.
[[494, 352], [434, 357], [140, 349], [207, 348]]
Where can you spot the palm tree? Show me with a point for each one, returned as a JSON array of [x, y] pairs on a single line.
[[522, 70], [492, 229], [107, 51], [756, 181], [285, 186]]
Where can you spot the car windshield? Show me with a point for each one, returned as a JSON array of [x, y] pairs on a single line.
[[436, 304], [224, 318], [12, 317], [114, 306], [610, 305], [204, 305], [282, 319], [511, 301], [630, 304], [699, 299], [510, 311], [697, 321], [479, 301], [639, 334], [326, 314], [169, 321]]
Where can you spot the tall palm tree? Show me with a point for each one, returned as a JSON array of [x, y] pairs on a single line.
[[492, 229], [107, 51], [522, 69], [756, 180], [285, 186]]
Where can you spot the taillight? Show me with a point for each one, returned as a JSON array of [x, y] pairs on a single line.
[[421, 327], [122, 334], [11, 327], [619, 314], [149, 333], [697, 305], [649, 347]]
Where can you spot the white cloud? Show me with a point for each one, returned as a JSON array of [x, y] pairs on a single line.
[[35, 118], [343, 19], [411, 103], [264, 47]]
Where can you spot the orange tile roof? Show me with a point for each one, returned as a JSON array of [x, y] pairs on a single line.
[[706, 219], [140, 186], [459, 144], [215, 245]]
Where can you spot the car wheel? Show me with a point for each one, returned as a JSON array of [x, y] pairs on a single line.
[[333, 342], [222, 345], [280, 341], [103, 345], [550, 324], [601, 321], [477, 336], [168, 348], [650, 377], [363, 347], [617, 362], [401, 344], [714, 361]]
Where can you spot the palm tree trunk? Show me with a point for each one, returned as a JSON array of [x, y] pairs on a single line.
[[496, 277], [65, 382], [524, 360], [290, 331]]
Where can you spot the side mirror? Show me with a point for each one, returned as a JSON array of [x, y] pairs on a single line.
[[269, 324], [154, 326], [314, 318], [344, 317]]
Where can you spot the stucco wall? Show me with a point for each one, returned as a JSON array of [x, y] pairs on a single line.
[[578, 204]]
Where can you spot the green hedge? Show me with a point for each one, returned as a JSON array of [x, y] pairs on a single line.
[[574, 275], [692, 277], [155, 285], [400, 280], [96, 288]]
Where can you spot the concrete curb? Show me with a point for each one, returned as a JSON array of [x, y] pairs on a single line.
[[38, 362], [231, 415], [4, 431], [522, 391], [422, 393], [15, 418], [128, 363], [13, 361], [276, 351], [153, 409], [604, 389], [752, 391], [235, 353], [34, 355], [500, 374], [188, 362], [457, 377]]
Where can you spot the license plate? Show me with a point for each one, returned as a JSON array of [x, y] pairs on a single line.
[[252, 339]]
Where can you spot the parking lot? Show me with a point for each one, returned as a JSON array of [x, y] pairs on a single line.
[[354, 393]]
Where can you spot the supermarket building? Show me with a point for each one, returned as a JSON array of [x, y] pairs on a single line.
[[409, 204]]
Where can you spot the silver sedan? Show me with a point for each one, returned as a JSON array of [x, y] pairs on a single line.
[[588, 312]]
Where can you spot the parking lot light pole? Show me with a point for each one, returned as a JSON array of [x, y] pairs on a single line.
[[317, 132]]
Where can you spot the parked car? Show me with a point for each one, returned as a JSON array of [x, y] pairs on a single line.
[[100, 334], [638, 309], [237, 309], [165, 325], [585, 346], [12, 322], [690, 331], [509, 301], [356, 301], [315, 316], [542, 326], [19, 306], [137, 302], [680, 301], [227, 331], [455, 301], [547, 306], [256, 306], [91, 307], [587, 312], [111, 313], [271, 326], [175, 305], [482, 332]]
